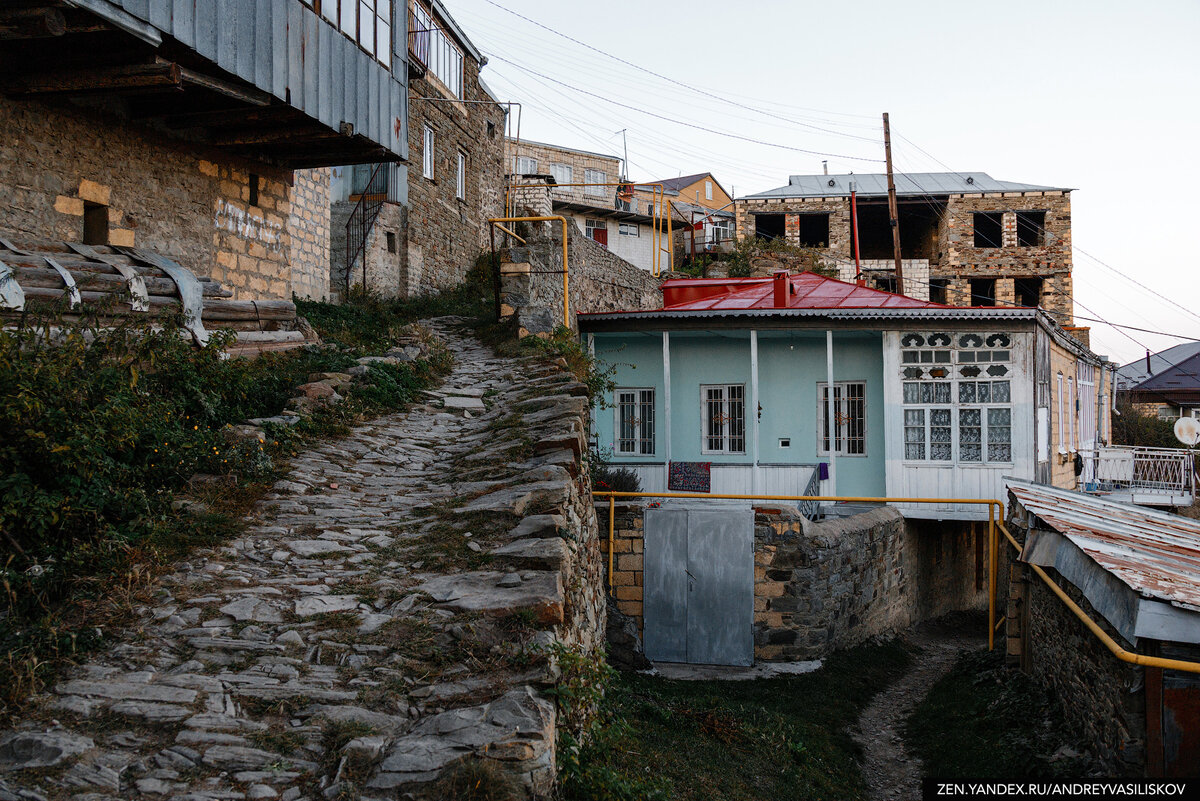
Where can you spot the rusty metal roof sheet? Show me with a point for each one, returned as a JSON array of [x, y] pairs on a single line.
[[1155, 553]]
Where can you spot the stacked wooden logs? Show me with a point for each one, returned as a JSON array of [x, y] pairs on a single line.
[[260, 324]]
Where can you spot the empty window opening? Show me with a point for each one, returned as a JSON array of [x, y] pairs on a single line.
[[983, 291], [253, 189], [813, 230], [885, 283], [918, 230], [1028, 291], [769, 226], [1031, 229], [937, 290], [989, 229], [491, 130], [391, 242], [95, 224]]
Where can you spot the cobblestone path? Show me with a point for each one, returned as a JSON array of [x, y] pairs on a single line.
[[308, 659]]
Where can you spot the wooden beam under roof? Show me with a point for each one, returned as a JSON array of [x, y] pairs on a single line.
[[92, 80], [32, 23]]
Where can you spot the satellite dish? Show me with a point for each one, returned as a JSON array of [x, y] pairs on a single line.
[[1187, 430]]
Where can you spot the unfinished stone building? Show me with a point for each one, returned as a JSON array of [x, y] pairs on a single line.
[[417, 227], [966, 239], [198, 130]]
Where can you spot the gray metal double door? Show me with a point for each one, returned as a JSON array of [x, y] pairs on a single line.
[[699, 585]]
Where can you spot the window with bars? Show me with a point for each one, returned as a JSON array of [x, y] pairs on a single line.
[[368, 22], [445, 59], [724, 413], [634, 422], [850, 418], [957, 396]]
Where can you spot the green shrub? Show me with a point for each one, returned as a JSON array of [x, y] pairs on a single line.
[[749, 248]]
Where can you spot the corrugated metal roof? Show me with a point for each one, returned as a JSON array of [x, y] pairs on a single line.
[[808, 291], [915, 183], [1156, 554], [977, 313]]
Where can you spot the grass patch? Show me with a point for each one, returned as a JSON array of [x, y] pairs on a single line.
[[782, 738], [985, 721], [100, 431]]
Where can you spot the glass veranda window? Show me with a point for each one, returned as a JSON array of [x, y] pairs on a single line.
[[635, 422]]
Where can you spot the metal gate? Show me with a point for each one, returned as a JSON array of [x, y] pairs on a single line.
[[699, 585]]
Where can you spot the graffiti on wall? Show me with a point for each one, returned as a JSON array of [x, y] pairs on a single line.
[[254, 227]]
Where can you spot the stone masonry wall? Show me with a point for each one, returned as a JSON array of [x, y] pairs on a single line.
[[445, 233], [308, 222], [189, 203], [531, 281], [819, 587]]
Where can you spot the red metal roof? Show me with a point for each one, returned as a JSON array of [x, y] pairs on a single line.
[[807, 291]]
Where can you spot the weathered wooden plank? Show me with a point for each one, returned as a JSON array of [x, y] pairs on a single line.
[[295, 79], [160, 16], [106, 281], [324, 108], [310, 60], [262, 45], [245, 38], [183, 21], [206, 28], [279, 48]]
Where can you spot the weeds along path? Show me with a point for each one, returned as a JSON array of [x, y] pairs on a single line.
[[296, 661], [890, 771]]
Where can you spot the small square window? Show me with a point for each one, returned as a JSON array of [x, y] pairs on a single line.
[[989, 229]]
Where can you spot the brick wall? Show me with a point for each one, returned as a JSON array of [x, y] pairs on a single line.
[[445, 233], [186, 202]]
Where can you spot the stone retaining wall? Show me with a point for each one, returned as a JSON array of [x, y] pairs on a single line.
[[599, 281], [819, 587]]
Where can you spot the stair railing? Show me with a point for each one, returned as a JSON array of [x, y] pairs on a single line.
[[362, 219]]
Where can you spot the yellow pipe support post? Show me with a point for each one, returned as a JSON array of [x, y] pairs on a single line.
[[1114, 648], [513, 234], [549, 218]]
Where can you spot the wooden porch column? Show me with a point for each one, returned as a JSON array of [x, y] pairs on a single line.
[[754, 476], [666, 355], [830, 418]]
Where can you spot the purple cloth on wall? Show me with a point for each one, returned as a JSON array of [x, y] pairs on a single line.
[[690, 477], [823, 471]]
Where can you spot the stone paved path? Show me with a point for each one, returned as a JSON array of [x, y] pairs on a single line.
[[301, 661], [891, 772]]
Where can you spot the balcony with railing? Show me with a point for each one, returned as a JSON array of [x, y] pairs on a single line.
[[1146, 476]]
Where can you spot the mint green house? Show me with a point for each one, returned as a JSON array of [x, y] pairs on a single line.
[[726, 389]]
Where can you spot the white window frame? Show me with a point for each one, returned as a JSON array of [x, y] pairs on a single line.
[[641, 443], [726, 435], [563, 174], [591, 224], [460, 177], [429, 157], [375, 37], [950, 358], [1071, 412], [445, 58], [1062, 418], [841, 402], [636, 229], [708, 191], [530, 165], [591, 176]]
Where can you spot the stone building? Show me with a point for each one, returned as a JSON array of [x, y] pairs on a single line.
[[702, 208], [604, 211], [966, 239], [200, 134], [417, 227]]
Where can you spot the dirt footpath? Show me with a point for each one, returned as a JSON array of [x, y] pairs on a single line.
[[891, 772]]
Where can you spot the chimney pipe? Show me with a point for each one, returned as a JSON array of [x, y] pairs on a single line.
[[825, 166], [782, 286]]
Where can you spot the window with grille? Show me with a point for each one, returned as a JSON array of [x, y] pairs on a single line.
[[368, 22], [595, 177], [957, 397], [634, 422], [850, 418], [724, 412]]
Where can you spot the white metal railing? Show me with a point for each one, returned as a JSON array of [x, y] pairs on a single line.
[[1148, 471]]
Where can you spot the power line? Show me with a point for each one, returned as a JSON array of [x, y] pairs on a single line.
[[684, 123]]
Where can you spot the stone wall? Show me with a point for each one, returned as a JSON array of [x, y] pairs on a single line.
[[531, 281], [819, 587], [580, 161], [308, 222], [189, 203], [445, 232]]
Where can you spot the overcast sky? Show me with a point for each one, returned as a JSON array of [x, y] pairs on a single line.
[[1102, 97]]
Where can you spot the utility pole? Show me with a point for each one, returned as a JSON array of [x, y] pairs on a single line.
[[892, 212], [625, 142], [854, 232]]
